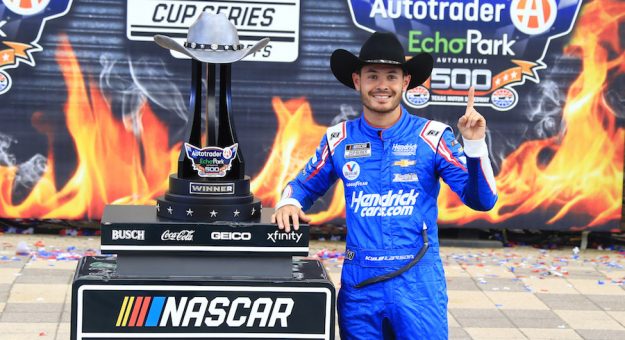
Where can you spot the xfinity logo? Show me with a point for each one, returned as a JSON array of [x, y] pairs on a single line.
[[282, 236], [389, 204], [183, 235], [138, 235], [201, 311], [231, 235]]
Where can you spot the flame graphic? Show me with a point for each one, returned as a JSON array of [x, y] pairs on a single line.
[[582, 180], [580, 184], [113, 165], [290, 152]]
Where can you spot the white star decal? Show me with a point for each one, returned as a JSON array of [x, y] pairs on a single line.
[[5, 57], [513, 74], [213, 213], [253, 210], [236, 213], [171, 210], [158, 207], [189, 212]]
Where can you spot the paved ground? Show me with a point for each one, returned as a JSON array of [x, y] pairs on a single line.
[[508, 293]]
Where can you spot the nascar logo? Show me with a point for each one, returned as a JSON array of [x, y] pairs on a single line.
[[199, 311]]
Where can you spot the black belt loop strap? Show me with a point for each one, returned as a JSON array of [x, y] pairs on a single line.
[[424, 248]]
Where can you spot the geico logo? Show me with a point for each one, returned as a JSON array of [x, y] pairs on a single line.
[[389, 204], [128, 235], [231, 235], [241, 312]]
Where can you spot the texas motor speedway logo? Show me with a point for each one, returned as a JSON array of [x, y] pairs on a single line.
[[21, 26], [254, 20], [493, 45]]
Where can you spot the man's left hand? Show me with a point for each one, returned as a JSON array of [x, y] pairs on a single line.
[[472, 125]]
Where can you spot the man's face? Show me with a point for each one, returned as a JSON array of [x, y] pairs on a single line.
[[381, 87]]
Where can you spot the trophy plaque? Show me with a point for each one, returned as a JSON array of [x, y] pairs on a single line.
[[205, 262]]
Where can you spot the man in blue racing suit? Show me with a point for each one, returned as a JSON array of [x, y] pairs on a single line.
[[390, 162]]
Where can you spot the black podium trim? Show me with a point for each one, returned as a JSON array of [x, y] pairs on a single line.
[[146, 288], [302, 250]]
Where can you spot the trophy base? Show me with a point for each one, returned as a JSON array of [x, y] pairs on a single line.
[[135, 230], [202, 212], [208, 200]]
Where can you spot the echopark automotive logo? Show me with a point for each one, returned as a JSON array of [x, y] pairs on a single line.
[[533, 16], [494, 46]]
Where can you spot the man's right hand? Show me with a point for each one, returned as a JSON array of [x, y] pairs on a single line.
[[281, 216]]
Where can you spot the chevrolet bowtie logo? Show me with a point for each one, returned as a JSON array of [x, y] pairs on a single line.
[[404, 163]]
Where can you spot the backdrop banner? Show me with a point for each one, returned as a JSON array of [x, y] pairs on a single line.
[[93, 112]]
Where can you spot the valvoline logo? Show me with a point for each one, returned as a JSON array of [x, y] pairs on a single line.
[[21, 27], [351, 170], [201, 311]]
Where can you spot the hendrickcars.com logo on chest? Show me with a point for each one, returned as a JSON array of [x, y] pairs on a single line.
[[492, 45]]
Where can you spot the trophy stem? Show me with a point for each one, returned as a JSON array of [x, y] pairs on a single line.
[[194, 126], [227, 132], [212, 122]]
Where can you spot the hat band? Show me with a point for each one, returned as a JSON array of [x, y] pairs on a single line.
[[214, 47], [382, 61]]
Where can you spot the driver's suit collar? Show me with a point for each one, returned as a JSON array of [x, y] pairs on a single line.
[[385, 133]]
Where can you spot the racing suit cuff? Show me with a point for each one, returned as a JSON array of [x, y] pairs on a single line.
[[287, 201], [475, 148]]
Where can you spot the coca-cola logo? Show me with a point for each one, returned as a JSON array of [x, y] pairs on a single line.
[[182, 235]]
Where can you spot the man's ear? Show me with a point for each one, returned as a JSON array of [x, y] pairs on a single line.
[[406, 81], [356, 80]]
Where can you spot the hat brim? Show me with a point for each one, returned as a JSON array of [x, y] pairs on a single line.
[[343, 63], [213, 57]]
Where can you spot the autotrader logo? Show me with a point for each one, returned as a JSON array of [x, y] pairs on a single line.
[[533, 17]]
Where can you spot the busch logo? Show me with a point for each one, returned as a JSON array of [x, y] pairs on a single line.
[[231, 235], [389, 204], [183, 235], [280, 236], [138, 235]]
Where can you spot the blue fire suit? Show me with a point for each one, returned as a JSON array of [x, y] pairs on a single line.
[[391, 181]]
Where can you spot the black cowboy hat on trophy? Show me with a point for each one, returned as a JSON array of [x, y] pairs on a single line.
[[381, 48], [212, 38]]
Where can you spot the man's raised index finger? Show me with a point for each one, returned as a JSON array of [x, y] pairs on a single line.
[[470, 99]]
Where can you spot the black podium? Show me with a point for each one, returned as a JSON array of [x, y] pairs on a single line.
[[191, 280]]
